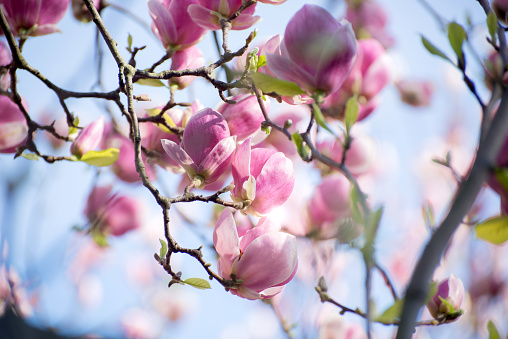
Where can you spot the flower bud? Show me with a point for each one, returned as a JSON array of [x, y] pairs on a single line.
[[13, 128], [450, 290], [89, 138]]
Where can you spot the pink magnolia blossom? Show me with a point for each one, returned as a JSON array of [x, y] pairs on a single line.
[[207, 147], [112, 214], [80, 11], [263, 178], [35, 17], [207, 14], [370, 74], [317, 52], [172, 24], [369, 21], [415, 93], [89, 138], [244, 118], [189, 58], [13, 128], [451, 290], [5, 59], [263, 260]]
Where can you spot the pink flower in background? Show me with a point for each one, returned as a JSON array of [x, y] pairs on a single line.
[[13, 128], [207, 14], [89, 138], [263, 259], [452, 291], [369, 21], [370, 74], [244, 118], [415, 93], [172, 24], [207, 147], [263, 178], [189, 58], [317, 52], [5, 59], [272, 2], [35, 17], [112, 214]]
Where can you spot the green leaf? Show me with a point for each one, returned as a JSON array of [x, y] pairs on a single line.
[[262, 61], [493, 332], [270, 84], [103, 158], [493, 230], [74, 130], [433, 49], [492, 24], [151, 82], [99, 238], [320, 119], [129, 41], [30, 156], [351, 113], [501, 174], [456, 35], [392, 314], [164, 249], [199, 283], [356, 212], [303, 150]]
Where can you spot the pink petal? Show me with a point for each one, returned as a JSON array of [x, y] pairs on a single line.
[[268, 261], [52, 12], [226, 241], [285, 69], [259, 157], [202, 17], [265, 225], [164, 23], [244, 21], [241, 166], [180, 156], [218, 160]]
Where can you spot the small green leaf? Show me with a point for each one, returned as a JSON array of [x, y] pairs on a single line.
[[392, 314], [456, 36], [355, 206], [129, 41], [433, 49], [351, 113], [262, 61], [103, 158], [74, 130], [493, 332], [164, 248], [199, 283], [151, 82], [99, 238], [303, 150], [270, 84], [492, 24], [502, 176], [30, 156], [493, 230], [320, 119]]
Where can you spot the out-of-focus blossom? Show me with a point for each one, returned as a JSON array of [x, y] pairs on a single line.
[[360, 156], [189, 58], [244, 118], [89, 138], [208, 13], [263, 178], [415, 93], [172, 24], [80, 11], [5, 59], [112, 214], [207, 147], [317, 52], [369, 21], [138, 323], [272, 2], [13, 128], [263, 260], [335, 328], [450, 290], [494, 70], [370, 74], [34, 17]]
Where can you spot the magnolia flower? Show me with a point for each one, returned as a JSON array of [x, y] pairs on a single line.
[[89, 138], [189, 58], [369, 21], [451, 290], [13, 128], [207, 14], [207, 147], [245, 117], [263, 178], [5, 59], [172, 24], [317, 52], [34, 17], [261, 262], [415, 93]]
